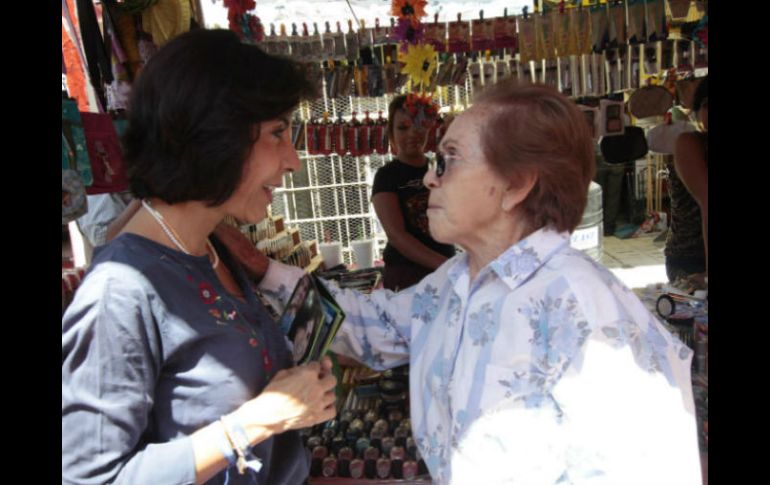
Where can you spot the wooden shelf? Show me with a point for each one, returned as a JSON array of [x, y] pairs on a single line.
[[315, 263]]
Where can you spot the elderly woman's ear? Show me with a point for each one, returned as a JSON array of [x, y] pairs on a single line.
[[516, 193]]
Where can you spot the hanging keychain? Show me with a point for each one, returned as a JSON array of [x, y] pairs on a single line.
[[351, 39], [599, 28], [295, 42], [488, 69], [375, 80], [328, 42], [339, 136], [634, 67], [340, 52], [317, 48], [474, 69], [459, 36], [325, 135], [617, 24], [505, 32], [313, 145], [636, 21], [482, 36], [613, 73], [379, 136], [526, 38], [652, 65], [365, 131], [547, 40], [365, 35], [436, 35], [502, 70], [352, 141], [656, 21], [346, 79]]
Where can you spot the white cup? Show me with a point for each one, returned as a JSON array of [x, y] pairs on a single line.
[[364, 251], [332, 254]]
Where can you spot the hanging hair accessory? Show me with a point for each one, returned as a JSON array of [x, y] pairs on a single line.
[[525, 12]]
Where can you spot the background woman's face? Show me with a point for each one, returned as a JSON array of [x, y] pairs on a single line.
[[408, 137]]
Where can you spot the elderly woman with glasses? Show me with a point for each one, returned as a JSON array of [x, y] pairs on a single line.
[[530, 362]]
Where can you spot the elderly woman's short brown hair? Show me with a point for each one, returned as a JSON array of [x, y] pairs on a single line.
[[534, 128]]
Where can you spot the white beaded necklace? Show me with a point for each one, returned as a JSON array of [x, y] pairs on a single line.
[[172, 234]]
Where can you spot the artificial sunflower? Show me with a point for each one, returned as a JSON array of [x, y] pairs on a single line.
[[409, 9], [419, 63]]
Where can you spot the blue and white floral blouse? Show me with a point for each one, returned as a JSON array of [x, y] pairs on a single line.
[[545, 370]]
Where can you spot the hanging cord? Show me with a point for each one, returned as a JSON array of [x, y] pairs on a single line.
[[358, 24]]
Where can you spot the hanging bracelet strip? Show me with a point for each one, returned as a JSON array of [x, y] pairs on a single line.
[[237, 437]]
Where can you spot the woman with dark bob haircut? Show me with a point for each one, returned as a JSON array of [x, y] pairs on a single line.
[[172, 370], [530, 362]]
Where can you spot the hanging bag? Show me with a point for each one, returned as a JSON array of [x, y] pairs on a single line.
[[650, 101], [630, 146], [74, 149], [105, 154]]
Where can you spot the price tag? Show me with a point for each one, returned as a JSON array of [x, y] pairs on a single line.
[[583, 239]]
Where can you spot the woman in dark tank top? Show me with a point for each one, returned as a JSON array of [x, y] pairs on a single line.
[[687, 242]]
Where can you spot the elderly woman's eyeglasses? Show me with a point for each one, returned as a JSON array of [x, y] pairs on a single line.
[[438, 164]]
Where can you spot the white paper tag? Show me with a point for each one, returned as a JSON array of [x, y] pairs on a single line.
[[583, 239]]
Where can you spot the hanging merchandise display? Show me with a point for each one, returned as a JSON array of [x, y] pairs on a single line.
[[165, 19], [656, 20], [436, 35], [73, 196], [119, 90], [545, 42], [600, 34], [352, 43], [650, 101], [636, 32], [73, 57], [617, 24], [74, 149], [97, 58], [459, 36], [105, 154], [505, 32], [527, 40], [483, 33]]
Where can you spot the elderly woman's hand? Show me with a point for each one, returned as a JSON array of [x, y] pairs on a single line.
[[243, 251], [296, 398]]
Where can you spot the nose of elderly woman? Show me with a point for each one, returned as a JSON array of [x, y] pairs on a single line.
[[430, 180]]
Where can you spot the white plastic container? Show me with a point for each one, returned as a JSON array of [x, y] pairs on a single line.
[[589, 235]]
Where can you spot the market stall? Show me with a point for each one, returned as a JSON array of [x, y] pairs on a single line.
[[626, 63]]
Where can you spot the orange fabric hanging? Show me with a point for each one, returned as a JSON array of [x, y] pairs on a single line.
[[76, 78]]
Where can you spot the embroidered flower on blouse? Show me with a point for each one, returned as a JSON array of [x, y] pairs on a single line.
[[215, 313], [253, 342], [425, 305], [208, 294]]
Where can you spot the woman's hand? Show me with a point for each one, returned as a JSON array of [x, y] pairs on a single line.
[[243, 251], [296, 398]]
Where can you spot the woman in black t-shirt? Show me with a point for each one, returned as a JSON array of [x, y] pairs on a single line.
[[401, 200]]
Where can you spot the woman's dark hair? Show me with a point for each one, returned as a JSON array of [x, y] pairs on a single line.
[[701, 94], [195, 112]]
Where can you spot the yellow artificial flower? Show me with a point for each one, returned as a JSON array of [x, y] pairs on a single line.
[[419, 63]]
